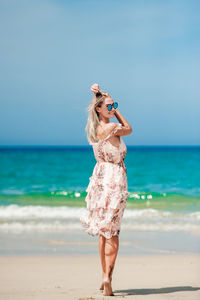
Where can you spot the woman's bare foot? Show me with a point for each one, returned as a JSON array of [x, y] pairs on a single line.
[[107, 287], [102, 285]]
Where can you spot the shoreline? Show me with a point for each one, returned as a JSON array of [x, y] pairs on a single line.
[[80, 243]]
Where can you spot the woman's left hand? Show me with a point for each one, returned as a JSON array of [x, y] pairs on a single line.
[[95, 88]]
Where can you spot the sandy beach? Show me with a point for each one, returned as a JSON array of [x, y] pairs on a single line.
[[49, 277]]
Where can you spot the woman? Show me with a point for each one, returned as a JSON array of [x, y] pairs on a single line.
[[107, 190]]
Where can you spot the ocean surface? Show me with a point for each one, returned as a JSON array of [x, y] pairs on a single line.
[[42, 189]]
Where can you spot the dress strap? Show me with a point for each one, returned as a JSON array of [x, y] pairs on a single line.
[[117, 127]]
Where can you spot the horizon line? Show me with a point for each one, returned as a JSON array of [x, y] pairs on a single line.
[[86, 146]]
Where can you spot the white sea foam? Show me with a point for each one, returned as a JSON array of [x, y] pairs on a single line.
[[57, 226], [14, 218], [63, 212], [37, 212]]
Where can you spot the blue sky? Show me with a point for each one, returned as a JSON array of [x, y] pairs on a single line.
[[144, 53]]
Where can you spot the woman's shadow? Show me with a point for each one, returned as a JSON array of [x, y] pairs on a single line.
[[155, 291]]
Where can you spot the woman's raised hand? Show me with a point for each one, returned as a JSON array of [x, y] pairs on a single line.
[[95, 88]]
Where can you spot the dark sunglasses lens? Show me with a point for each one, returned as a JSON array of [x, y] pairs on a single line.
[[109, 107], [115, 105]]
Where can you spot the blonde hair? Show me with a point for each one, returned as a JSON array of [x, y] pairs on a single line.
[[93, 116]]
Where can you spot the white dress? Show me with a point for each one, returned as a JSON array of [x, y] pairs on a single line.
[[107, 191]]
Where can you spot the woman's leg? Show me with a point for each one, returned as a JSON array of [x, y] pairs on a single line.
[[102, 241], [111, 250]]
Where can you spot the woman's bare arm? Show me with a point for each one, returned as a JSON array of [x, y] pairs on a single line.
[[127, 129]]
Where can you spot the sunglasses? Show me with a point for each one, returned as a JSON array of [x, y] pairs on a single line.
[[110, 106]]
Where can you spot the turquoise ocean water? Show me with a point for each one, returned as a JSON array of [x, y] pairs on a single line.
[[42, 189]]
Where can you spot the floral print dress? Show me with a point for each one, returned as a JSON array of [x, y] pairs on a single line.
[[107, 190]]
